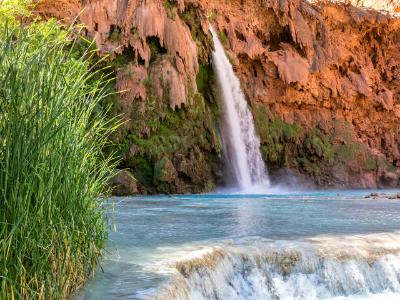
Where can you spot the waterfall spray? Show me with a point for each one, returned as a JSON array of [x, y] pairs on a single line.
[[241, 144]]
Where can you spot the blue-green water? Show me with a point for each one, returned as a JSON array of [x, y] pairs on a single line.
[[320, 245]]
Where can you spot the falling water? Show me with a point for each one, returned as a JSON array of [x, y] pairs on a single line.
[[240, 141]]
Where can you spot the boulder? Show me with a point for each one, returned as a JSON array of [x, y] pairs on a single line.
[[164, 171], [389, 179], [123, 184]]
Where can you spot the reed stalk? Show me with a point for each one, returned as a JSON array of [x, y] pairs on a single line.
[[52, 167]]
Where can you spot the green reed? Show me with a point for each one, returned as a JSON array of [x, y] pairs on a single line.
[[52, 170]]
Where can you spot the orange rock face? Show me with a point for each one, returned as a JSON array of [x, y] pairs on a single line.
[[329, 71], [124, 27], [318, 65]]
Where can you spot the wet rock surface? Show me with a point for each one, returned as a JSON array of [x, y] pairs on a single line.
[[383, 196]]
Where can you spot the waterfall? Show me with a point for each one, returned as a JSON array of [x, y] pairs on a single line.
[[241, 144]]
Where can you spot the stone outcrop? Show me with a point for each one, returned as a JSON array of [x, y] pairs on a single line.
[[123, 184], [158, 51], [322, 78], [121, 27]]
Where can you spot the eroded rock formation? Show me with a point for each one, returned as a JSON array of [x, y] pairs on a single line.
[[329, 72], [159, 52], [322, 78]]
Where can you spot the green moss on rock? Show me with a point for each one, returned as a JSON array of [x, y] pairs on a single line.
[[371, 164], [157, 139], [275, 136], [319, 146], [223, 38], [173, 151], [311, 151], [169, 7], [193, 18], [164, 171]]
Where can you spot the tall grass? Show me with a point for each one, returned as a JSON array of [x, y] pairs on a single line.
[[52, 170]]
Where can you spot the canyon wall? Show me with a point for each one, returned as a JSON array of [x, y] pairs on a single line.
[[322, 79], [159, 55]]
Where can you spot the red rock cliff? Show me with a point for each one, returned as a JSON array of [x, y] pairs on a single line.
[[327, 67], [323, 80]]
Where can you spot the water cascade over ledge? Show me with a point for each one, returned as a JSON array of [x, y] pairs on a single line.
[[241, 144], [335, 268], [318, 245]]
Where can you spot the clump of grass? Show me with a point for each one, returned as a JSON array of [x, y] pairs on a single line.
[[52, 170], [11, 10]]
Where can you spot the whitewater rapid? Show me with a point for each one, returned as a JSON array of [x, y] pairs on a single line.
[[241, 145], [325, 267]]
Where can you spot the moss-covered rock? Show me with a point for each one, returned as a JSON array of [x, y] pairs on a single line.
[[124, 184], [331, 158], [164, 171], [172, 148], [181, 147], [276, 136]]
